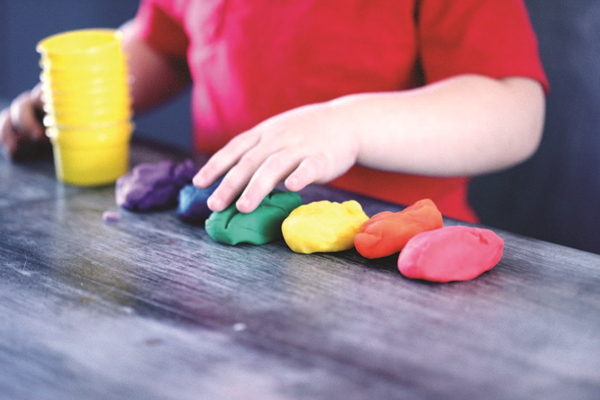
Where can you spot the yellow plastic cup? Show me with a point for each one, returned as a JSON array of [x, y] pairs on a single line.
[[82, 119], [112, 89], [84, 69], [81, 49], [91, 135], [101, 108], [93, 156], [120, 100], [86, 99], [83, 62], [76, 80], [122, 105], [87, 104]]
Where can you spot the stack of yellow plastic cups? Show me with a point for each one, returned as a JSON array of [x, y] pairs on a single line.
[[87, 103]]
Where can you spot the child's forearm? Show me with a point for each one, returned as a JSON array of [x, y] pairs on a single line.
[[463, 126], [153, 77]]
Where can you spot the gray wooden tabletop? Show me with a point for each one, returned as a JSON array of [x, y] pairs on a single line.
[[152, 308]]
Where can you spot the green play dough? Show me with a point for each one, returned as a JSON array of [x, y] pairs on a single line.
[[261, 226]]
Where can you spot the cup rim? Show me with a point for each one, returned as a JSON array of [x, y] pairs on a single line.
[[77, 42], [66, 106], [75, 126], [66, 76], [82, 133], [64, 120], [111, 92]]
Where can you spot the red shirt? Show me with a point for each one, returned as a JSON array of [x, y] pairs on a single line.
[[252, 59]]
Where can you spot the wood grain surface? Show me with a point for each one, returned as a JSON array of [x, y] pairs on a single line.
[[152, 308]]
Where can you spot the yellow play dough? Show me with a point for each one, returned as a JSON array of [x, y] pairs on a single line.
[[323, 226]]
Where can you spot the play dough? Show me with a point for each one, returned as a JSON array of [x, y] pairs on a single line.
[[323, 226], [261, 226], [111, 216], [153, 186], [191, 205], [455, 253], [387, 233]]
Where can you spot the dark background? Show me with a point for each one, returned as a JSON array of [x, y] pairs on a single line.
[[554, 196]]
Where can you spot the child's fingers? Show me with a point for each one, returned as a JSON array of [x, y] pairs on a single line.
[[223, 195], [273, 170], [20, 124], [259, 171], [297, 170], [307, 172], [24, 118], [225, 159], [7, 133], [237, 178]]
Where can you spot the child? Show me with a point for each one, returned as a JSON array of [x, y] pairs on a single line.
[[397, 99]]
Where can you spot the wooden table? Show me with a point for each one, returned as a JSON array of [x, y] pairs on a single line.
[[152, 308]]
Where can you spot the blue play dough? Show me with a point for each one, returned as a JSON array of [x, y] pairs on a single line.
[[192, 202]]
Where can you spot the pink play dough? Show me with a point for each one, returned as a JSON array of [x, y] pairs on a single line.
[[454, 253]]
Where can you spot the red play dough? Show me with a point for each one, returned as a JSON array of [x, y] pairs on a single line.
[[454, 253], [387, 233]]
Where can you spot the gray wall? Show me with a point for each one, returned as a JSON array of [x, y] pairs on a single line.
[[24, 22], [555, 196]]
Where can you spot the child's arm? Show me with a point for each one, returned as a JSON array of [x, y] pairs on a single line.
[[154, 77], [462, 126]]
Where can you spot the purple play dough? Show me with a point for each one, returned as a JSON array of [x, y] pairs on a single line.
[[153, 186], [111, 216]]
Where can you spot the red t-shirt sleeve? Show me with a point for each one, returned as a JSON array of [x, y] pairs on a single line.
[[488, 37], [162, 27]]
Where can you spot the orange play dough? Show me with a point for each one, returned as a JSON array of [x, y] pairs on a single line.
[[387, 233]]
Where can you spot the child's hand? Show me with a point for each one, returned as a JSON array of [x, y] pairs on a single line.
[[21, 125], [310, 144]]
